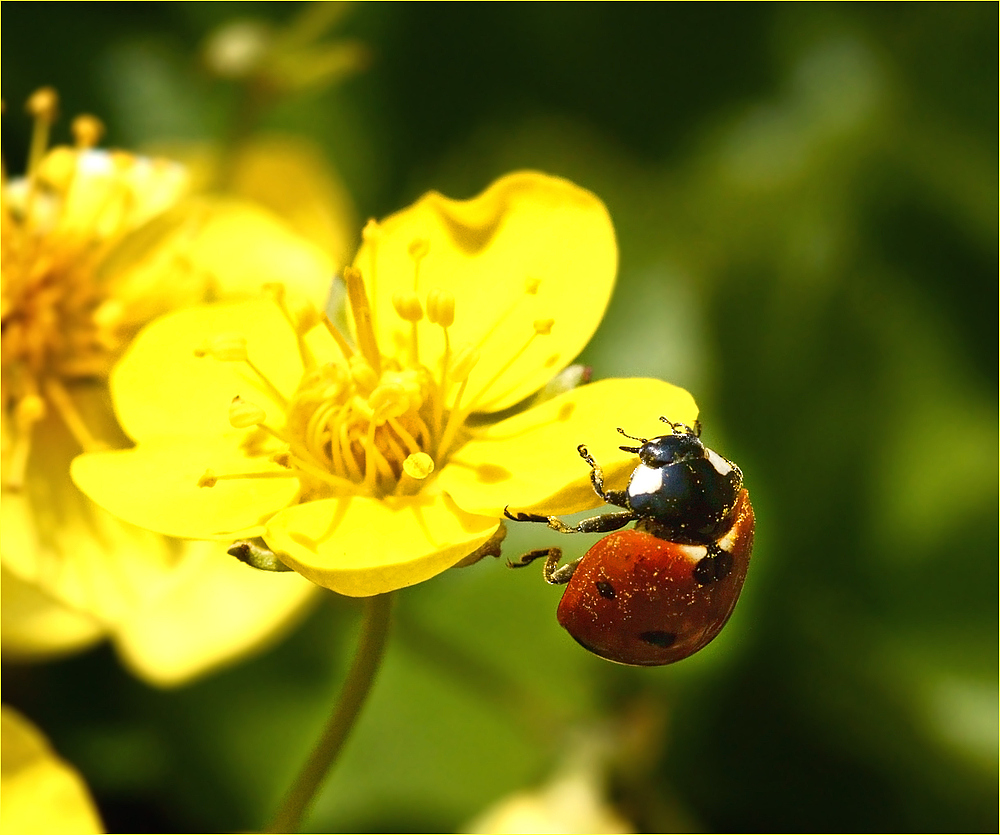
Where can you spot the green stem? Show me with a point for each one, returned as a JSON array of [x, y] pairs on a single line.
[[374, 632]]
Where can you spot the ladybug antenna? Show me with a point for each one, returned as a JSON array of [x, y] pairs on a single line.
[[683, 428], [632, 449]]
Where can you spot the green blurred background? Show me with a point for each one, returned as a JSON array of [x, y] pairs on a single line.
[[806, 204]]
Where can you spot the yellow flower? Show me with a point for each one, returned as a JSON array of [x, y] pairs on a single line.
[[95, 244], [374, 463], [41, 792]]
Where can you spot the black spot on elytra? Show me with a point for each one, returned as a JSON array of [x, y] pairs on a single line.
[[658, 638], [605, 589], [723, 565], [713, 567], [704, 571]]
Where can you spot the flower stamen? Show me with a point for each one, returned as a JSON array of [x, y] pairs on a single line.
[[233, 348], [59, 397], [416, 468], [363, 323], [87, 131], [418, 249], [43, 105], [407, 306], [338, 337], [29, 410], [210, 478], [531, 286], [297, 462], [371, 234], [541, 327], [244, 414], [305, 320]]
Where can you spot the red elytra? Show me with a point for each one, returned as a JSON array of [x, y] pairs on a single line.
[[634, 599]]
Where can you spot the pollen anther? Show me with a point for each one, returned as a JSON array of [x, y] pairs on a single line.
[[244, 414], [418, 465], [87, 130], [418, 248], [441, 307], [362, 373], [407, 305]]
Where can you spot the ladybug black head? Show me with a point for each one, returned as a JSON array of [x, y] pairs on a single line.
[[682, 445]]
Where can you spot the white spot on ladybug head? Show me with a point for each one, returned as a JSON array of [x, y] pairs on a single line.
[[645, 480], [721, 465]]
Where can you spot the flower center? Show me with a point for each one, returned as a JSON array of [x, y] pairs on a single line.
[[61, 322], [370, 422]]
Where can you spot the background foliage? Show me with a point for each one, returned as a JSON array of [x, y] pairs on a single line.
[[805, 197]]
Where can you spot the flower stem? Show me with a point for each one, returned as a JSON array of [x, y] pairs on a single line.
[[371, 647]]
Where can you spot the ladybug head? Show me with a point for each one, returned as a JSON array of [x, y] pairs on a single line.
[[682, 444]]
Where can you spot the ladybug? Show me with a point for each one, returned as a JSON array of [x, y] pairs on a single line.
[[660, 591]]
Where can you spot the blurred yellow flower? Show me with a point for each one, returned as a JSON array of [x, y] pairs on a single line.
[[95, 244], [41, 792], [373, 463]]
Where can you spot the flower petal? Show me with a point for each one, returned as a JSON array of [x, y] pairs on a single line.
[[41, 791], [210, 610], [530, 461], [111, 191], [161, 388], [528, 249], [155, 486], [71, 550], [291, 177], [221, 248], [359, 546], [38, 627]]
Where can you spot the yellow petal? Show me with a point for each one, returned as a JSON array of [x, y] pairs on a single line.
[[111, 191], [73, 574], [41, 792], [210, 610], [361, 547], [39, 627], [156, 486], [65, 546], [221, 248], [528, 249], [161, 387], [530, 461], [291, 178]]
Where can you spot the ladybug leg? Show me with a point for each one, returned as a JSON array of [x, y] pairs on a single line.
[[595, 524], [554, 574], [525, 517], [615, 497]]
